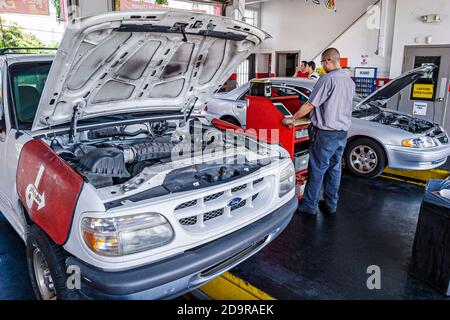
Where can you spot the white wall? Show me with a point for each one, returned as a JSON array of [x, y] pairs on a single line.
[[297, 25], [408, 26], [363, 39]]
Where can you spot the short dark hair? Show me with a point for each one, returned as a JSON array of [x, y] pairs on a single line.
[[312, 64], [332, 54], [304, 62]]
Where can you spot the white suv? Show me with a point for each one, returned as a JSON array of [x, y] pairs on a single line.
[[107, 176]]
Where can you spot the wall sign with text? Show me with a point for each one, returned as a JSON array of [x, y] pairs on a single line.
[[25, 6], [422, 91]]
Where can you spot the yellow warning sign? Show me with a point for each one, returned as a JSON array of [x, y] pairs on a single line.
[[423, 91]]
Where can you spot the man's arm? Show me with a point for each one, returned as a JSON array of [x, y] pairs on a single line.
[[319, 95], [304, 111], [301, 113]]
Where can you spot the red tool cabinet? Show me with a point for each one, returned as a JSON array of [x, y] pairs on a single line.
[[268, 113], [264, 122]]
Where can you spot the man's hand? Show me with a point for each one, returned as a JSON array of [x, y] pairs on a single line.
[[288, 122]]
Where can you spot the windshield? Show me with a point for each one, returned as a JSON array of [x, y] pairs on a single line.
[[28, 80]]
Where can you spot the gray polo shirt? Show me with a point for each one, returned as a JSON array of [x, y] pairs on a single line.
[[332, 98]]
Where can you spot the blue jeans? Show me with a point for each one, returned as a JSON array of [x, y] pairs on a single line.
[[324, 168]]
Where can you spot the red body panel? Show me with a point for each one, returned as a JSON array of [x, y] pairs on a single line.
[[263, 115], [48, 188]]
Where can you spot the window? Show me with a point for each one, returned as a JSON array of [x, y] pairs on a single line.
[[280, 91], [243, 73], [28, 80], [244, 95], [305, 91], [251, 17]]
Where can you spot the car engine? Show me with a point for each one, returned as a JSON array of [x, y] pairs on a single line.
[[410, 124], [397, 120], [115, 155]]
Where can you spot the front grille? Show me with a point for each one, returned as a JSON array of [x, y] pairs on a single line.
[[239, 188], [240, 205], [212, 214], [258, 181], [186, 205], [439, 134], [188, 221], [213, 196], [197, 215]]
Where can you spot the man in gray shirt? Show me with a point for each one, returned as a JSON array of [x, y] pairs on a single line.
[[330, 108]]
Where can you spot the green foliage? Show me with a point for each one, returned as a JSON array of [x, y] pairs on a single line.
[[162, 2], [11, 35], [57, 5]]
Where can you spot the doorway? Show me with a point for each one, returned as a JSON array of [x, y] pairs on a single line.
[[428, 98], [287, 63], [246, 71]]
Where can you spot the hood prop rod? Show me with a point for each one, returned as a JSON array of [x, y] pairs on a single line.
[[187, 114], [73, 122]]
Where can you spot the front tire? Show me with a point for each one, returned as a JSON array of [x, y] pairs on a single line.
[[365, 158], [46, 267]]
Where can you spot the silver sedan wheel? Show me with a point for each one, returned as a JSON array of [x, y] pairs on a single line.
[[43, 277], [363, 159]]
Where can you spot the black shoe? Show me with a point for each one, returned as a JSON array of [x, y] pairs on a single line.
[[305, 212], [324, 208]]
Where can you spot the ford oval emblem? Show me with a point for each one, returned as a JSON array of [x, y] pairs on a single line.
[[234, 202]]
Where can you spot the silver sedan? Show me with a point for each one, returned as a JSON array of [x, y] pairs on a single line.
[[378, 138]]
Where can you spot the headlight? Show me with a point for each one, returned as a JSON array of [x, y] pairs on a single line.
[[125, 235], [287, 180], [423, 142]]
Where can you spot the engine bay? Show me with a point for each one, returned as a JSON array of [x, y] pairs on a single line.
[[396, 120], [127, 155]]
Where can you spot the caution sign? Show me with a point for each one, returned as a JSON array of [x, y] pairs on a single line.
[[423, 91]]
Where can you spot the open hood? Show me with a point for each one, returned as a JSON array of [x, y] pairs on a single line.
[[142, 61], [398, 84]]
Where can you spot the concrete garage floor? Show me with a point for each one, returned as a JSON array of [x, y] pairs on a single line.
[[14, 279], [327, 257], [315, 258]]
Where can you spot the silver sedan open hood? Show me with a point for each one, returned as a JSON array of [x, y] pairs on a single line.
[[142, 61], [398, 84]]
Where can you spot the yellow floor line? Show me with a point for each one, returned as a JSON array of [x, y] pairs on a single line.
[[419, 176], [401, 179], [230, 287]]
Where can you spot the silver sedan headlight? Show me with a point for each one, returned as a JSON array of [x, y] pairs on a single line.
[[119, 236], [287, 180], [423, 142]]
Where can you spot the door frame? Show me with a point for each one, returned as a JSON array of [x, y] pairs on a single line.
[[277, 62], [446, 104]]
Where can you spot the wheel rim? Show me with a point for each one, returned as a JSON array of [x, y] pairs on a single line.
[[43, 277], [363, 159]]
